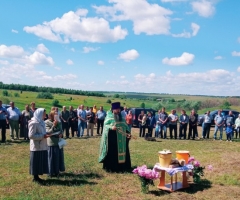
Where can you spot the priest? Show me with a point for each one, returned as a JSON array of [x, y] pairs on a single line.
[[114, 150]]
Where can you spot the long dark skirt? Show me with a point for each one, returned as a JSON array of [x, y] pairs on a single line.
[[38, 162], [24, 128], [110, 163], [55, 160]]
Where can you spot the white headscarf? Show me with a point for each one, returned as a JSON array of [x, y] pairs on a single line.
[[38, 116]]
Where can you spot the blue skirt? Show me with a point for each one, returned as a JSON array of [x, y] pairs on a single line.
[[38, 162], [55, 160]]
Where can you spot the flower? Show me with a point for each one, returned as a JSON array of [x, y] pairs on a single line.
[[146, 176], [197, 170], [210, 167], [191, 159], [196, 164]]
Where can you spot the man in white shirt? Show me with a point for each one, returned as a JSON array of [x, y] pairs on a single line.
[[13, 120], [173, 118], [82, 120], [124, 112]]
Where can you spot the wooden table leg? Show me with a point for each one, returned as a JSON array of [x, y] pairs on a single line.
[[162, 179], [184, 180], [171, 187]]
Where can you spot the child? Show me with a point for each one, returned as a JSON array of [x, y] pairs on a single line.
[[157, 129]]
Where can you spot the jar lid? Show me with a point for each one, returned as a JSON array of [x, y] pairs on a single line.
[[165, 151]]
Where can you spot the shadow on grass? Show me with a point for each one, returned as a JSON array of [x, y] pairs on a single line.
[[193, 188], [72, 179], [81, 176], [72, 182]]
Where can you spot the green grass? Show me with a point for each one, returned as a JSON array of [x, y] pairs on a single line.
[[28, 97], [85, 179]]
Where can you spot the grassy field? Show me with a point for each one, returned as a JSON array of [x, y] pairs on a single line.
[[132, 100], [85, 179]]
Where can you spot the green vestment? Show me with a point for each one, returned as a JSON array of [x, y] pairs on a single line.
[[122, 128]]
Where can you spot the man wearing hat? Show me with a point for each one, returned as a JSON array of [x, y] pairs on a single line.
[[114, 151]]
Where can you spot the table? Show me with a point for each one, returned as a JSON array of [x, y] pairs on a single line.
[[174, 184]]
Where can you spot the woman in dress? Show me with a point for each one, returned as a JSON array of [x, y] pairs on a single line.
[[55, 154], [26, 116], [38, 145]]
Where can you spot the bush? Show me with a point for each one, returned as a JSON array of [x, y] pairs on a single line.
[[142, 105], [16, 94], [55, 103], [226, 105], [5, 100], [5, 93], [108, 101], [45, 95], [116, 95]]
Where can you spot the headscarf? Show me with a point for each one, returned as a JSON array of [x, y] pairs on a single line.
[[38, 116]]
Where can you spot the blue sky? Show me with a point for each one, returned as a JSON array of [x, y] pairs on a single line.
[[161, 46]]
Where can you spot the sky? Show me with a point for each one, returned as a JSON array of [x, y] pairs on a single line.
[[151, 46]]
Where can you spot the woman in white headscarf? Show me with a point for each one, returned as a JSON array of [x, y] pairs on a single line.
[[38, 145]]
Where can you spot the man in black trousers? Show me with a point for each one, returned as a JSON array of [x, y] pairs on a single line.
[[3, 114]]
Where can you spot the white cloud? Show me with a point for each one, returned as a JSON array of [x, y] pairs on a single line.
[[221, 82], [4, 62], [57, 68], [183, 35], [64, 77], [122, 77], [72, 49], [38, 58], [44, 31], [11, 51], [184, 59], [41, 48], [238, 39], [69, 62], [204, 8], [147, 18], [218, 57], [129, 55], [27, 74], [177, 19], [235, 53], [195, 28], [89, 49], [75, 26], [14, 31], [18, 55], [100, 62], [238, 69]]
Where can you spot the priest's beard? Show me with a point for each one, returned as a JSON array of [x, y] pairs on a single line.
[[117, 117]]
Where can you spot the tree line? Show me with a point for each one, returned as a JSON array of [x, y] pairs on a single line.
[[22, 87]]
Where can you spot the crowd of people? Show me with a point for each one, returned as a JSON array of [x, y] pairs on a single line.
[[80, 119], [161, 121], [46, 130]]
